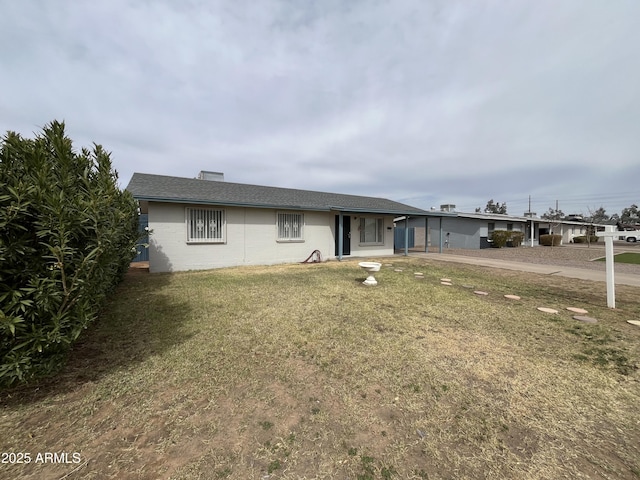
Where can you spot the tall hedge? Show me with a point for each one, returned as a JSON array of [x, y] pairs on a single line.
[[67, 234]]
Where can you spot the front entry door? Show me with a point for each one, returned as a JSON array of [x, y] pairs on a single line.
[[346, 235]]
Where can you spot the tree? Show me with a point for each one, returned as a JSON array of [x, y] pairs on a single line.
[[554, 216], [630, 215], [598, 216], [497, 207]]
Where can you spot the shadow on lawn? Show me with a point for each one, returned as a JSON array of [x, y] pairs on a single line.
[[137, 321]]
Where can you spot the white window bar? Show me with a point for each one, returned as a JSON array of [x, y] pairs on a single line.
[[205, 225], [290, 226]]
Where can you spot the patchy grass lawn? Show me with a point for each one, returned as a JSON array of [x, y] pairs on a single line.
[[626, 257], [300, 371]]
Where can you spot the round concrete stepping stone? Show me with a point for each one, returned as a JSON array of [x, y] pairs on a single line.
[[449, 284], [445, 279], [468, 286], [397, 270], [582, 318], [547, 310], [634, 322], [419, 274], [419, 277], [480, 292], [512, 297], [581, 311]]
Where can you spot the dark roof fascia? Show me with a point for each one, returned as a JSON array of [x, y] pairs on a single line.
[[267, 206], [412, 213], [227, 204], [493, 216], [425, 214]]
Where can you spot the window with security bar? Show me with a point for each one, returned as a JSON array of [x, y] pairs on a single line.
[[205, 225], [372, 230], [290, 226]]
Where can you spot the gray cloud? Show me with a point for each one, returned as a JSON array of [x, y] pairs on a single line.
[[426, 102]]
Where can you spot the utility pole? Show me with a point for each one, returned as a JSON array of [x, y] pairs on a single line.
[[532, 234]]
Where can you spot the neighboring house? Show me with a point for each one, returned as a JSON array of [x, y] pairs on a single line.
[[566, 228], [463, 230], [474, 230], [209, 223]]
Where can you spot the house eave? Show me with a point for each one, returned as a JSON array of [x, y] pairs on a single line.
[[380, 211], [402, 216], [192, 201]]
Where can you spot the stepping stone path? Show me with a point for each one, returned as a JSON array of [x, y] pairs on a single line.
[[547, 310], [581, 311], [445, 280], [512, 297], [582, 318], [419, 274], [446, 283], [479, 292], [634, 322]]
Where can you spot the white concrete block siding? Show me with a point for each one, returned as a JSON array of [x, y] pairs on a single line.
[[250, 238]]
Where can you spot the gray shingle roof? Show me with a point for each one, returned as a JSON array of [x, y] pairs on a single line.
[[187, 190]]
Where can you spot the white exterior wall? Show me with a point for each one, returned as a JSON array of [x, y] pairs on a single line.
[[360, 250], [567, 230], [571, 231], [250, 239]]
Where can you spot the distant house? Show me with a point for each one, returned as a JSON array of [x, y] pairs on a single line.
[[474, 230], [568, 229], [463, 230], [208, 223]]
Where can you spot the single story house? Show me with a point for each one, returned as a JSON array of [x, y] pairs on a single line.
[[474, 230], [206, 222]]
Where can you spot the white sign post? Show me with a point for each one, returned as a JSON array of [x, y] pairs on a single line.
[[609, 233]]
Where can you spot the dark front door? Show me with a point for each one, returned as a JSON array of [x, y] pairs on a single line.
[[346, 235], [142, 246]]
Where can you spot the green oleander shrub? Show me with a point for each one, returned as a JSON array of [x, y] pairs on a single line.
[[67, 236]]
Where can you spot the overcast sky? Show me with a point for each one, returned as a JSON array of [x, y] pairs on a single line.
[[423, 102]]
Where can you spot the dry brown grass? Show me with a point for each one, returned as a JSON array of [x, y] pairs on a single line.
[[299, 371]]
